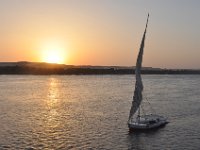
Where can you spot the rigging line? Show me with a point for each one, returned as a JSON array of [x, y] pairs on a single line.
[[150, 106], [152, 109], [143, 110]]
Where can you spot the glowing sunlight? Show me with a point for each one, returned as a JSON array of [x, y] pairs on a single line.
[[53, 53]]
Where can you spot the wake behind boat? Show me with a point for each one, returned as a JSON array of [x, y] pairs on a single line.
[[143, 122]]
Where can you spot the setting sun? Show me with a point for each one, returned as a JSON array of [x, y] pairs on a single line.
[[53, 56], [53, 53]]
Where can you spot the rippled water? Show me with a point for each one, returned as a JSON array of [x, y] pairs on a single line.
[[90, 112]]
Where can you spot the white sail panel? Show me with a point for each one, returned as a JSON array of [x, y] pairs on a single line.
[[137, 98]]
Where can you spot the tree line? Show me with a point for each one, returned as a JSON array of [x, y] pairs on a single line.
[[87, 71]]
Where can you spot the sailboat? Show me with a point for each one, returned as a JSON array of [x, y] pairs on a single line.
[[146, 121]]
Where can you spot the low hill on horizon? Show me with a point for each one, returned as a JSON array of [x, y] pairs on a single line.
[[42, 68], [54, 65]]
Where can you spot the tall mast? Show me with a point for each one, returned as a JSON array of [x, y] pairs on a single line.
[[139, 113], [137, 98]]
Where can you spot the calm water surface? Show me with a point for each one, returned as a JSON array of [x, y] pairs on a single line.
[[91, 112]]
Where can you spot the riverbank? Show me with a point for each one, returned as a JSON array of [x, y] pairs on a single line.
[[60, 69]]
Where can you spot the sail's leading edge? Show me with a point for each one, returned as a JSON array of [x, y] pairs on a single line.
[[137, 98]]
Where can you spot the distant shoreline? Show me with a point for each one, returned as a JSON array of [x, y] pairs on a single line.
[[29, 68]]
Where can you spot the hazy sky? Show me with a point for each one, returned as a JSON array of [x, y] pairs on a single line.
[[102, 32]]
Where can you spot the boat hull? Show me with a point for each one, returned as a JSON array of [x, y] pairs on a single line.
[[147, 122]]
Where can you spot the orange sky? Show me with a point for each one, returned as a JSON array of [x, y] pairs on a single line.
[[100, 32]]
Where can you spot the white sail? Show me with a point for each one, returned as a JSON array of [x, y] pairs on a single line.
[[137, 98]]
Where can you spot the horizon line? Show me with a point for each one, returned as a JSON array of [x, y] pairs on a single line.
[[126, 66]]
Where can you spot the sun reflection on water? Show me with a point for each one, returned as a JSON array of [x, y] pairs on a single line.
[[52, 104], [53, 94]]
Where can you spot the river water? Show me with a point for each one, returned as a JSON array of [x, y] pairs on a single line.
[[91, 112]]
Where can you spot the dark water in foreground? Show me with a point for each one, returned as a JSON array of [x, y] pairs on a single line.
[[90, 112]]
